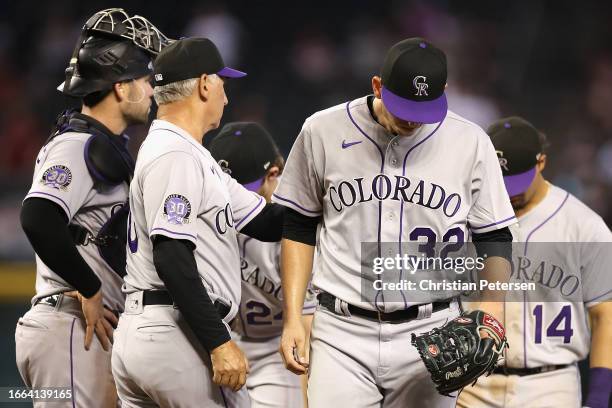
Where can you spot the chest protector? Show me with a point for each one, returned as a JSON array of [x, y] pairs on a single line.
[[110, 164]]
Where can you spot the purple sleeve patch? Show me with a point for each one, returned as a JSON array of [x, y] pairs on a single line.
[[177, 209], [58, 177]]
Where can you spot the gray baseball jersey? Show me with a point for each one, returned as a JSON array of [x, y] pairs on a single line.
[[61, 176], [435, 186], [562, 251], [261, 306], [179, 191], [259, 323]]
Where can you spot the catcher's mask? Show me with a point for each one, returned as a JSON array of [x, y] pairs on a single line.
[[113, 47]]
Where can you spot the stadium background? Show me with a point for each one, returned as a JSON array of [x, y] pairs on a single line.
[[549, 61]]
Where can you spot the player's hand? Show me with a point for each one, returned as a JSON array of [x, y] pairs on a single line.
[[230, 366], [293, 347], [495, 309], [98, 319]]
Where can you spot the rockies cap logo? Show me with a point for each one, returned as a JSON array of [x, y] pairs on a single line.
[[420, 85], [503, 162], [224, 164]]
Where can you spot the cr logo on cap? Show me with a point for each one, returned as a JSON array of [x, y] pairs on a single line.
[[503, 162], [420, 85]]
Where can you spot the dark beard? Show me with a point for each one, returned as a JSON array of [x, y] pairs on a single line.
[[518, 203], [134, 119]]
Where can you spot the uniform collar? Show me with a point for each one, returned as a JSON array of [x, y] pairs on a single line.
[[550, 202], [160, 124], [364, 118], [96, 124]]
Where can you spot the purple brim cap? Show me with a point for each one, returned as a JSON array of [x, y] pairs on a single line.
[[420, 112], [254, 185], [231, 73], [519, 183]]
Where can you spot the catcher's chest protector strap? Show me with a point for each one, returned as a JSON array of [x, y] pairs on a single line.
[[110, 163], [106, 155]]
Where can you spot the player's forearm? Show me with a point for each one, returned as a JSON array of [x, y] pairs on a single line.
[[45, 225], [601, 335], [496, 248], [496, 269], [296, 267]]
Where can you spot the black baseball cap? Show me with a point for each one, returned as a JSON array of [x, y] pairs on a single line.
[[246, 151], [518, 145], [413, 81], [189, 58]]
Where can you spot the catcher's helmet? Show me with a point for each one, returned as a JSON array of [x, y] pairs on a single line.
[[113, 47]]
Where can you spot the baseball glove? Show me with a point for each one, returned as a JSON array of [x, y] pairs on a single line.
[[455, 355]]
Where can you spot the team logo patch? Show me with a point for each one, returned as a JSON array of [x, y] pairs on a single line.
[[177, 209], [433, 349], [496, 326], [503, 162], [464, 320], [58, 177], [420, 85], [224, 164]]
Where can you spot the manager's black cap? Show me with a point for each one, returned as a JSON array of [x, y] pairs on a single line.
[[518, 145], [189, 58], [413, 81], [245, 150]]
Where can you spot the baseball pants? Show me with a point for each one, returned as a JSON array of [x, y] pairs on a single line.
[[50, 352], [269, 383], [158, 362], [362, 363], [552, 389]]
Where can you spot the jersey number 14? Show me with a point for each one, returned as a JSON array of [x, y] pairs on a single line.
[[554, 329]]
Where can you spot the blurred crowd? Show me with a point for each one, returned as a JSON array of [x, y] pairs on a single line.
[[549, 61]]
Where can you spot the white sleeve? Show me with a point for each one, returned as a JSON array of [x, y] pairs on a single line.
[[299, 187], [61, 176], [245, 204], [597, 254], [172, 192], [491, 208]]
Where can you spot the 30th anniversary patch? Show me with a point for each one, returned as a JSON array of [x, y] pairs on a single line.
[[58, 177], [177, 209]]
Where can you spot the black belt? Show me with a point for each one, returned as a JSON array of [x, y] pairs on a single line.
[[162, 297], [328, 301], [53, 300], [527, 371]]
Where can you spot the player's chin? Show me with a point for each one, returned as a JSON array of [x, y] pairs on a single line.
[[406, 128], [518, 201]]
